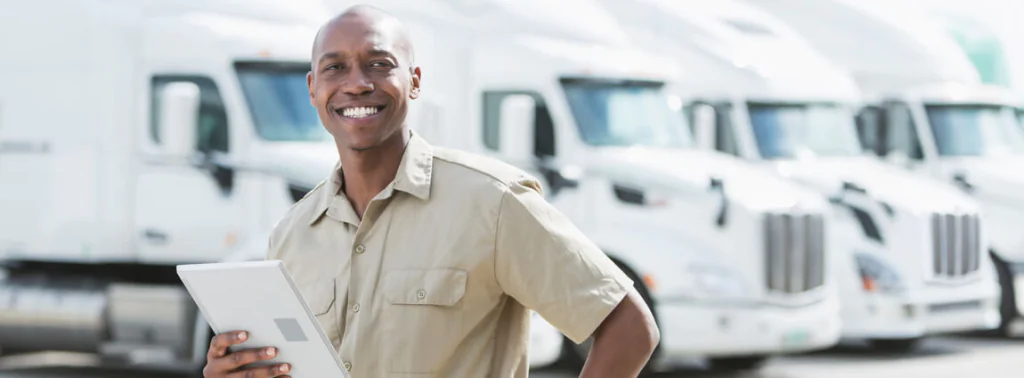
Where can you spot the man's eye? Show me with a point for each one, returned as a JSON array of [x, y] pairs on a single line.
[[380, 64], [331, 67]]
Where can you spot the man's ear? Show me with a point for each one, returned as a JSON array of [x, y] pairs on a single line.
[[309, 84], [414, 93]]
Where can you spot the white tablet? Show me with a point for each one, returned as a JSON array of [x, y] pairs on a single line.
[[261, 297]]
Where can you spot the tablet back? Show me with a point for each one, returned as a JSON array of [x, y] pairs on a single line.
[[260, 297]]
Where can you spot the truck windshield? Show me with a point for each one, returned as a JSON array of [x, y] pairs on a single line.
[[625, 114], [975, 130], [786, 131], [279, 100]]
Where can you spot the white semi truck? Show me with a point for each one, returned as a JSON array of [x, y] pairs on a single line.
[[136, 135], [766, 96], [925, 110], [990, 33], [168, 132], [732, 259]]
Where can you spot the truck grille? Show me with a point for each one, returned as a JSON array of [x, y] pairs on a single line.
[[956, 244], [794, 252]]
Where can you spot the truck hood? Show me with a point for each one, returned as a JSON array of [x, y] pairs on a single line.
[[993, 178], [305, 164], [897, 188], [692, 170]]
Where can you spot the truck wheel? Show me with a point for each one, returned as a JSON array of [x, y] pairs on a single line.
[[1007, 303], [738, 364], [895, 345], [575, 355]]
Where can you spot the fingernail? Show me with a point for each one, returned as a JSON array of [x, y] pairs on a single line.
[[269, 351], [242, 335], [283, 368]]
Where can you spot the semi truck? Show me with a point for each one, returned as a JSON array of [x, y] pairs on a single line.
[[767, 97], [180, 131], [924, 109], [705, 236]]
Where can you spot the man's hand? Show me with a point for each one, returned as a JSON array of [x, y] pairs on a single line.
[[624, 342], [220, 364]]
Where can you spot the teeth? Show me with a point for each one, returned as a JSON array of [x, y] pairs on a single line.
[[359, 112]]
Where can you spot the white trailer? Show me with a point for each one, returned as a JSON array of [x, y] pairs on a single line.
[[764, 95], [925, 110], [524, 82]]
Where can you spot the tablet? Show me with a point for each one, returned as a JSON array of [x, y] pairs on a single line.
[[261, 297]]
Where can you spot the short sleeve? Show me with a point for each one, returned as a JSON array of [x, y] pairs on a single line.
[[545, 262]]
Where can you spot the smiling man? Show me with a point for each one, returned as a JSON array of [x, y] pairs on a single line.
[[424, 261]]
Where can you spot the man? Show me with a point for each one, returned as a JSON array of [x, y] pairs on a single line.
[[424, 261]]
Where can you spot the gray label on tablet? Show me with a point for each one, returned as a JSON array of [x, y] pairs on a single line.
[[290, 329]]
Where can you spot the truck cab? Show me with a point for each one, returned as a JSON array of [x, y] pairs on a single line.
[[767, 97], [157, 133], [924, 109]]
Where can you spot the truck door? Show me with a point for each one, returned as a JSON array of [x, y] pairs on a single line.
[[185, 207], [518, 128]]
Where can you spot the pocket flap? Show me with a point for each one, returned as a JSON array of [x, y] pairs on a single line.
[[318, 294], [439, 287]]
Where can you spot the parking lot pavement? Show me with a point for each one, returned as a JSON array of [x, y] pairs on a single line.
[[938, 358]]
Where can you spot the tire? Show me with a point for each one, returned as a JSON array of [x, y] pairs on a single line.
[[1007, 299], [575, 355], [738, 364], [895, 345]]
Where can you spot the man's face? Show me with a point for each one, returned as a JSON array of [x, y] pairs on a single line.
[[361, 81]]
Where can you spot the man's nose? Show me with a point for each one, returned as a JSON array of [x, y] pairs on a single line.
[[357, 83]]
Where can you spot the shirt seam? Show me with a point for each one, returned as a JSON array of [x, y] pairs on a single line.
[[492, 176], [497, 229]]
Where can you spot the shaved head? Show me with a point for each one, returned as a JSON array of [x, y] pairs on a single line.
[[375, 18], [362, 79]]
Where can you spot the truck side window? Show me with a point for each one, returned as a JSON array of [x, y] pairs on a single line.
[[900, 131], [212, 125], [544, 126]]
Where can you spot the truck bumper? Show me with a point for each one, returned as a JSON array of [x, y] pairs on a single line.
[[943, 310], [708, 330]]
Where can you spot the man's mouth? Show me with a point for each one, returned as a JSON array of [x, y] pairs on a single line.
[[359, 111]]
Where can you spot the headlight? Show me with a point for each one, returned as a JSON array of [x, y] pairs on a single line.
[[702, 281], [877, 277]]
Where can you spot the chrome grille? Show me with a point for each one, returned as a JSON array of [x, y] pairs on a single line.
[[794, 252], [956, 244]]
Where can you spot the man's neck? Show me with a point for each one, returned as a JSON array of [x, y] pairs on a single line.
[[366, 173]]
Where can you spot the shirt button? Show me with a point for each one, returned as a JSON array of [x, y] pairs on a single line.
[[348, 366], [355, 307], [421, 294], [360, 249]]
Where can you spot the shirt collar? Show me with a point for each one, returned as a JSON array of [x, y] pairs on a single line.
[[413, 177]]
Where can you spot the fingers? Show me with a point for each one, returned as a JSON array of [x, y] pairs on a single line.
[[273, 371], [220, 343], [241, 358]]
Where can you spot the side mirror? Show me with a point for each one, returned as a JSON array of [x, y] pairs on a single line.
[[179, 114], [517, 128], [560, 178], [704, 120]]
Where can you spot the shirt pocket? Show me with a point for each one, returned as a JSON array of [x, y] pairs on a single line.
[[320, 296], [422, 318]]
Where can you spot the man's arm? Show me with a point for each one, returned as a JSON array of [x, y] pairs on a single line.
[[624, 342], [547, 264]]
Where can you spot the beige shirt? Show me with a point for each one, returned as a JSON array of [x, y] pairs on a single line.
[[437, 278]]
